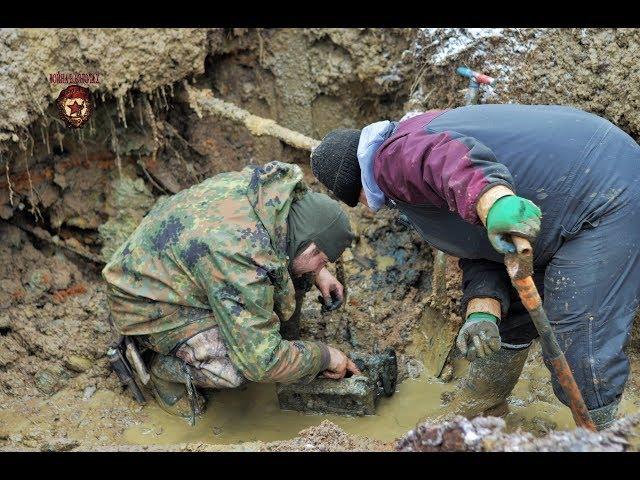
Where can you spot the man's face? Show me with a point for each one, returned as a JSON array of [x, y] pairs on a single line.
[[312, 259]]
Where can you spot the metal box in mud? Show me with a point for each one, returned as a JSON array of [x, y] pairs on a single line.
[[355, 396]]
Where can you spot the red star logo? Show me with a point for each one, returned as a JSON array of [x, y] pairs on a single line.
[[75, 107]]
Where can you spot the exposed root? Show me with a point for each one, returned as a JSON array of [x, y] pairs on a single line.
[[44, 130], [11, 193], [164, 98], [35, 211], [59, 136], [260, 48], [203, 100], [115, 146], [149, 177], [416, 82], [151, 118], [121, 111], [140, 113]]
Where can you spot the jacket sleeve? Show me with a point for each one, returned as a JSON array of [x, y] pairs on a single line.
[[439, 168], [484, 278], [242, 299]]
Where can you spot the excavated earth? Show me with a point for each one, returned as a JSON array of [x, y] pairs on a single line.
[[68, 198]]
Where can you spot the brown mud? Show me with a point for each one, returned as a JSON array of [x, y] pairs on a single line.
[[81, 192]]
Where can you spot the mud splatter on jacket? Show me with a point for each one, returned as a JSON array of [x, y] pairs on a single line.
[[215, 254]]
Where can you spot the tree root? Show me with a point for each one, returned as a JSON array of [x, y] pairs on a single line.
[[202, 102]]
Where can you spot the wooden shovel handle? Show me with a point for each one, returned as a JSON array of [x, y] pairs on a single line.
[[522, 245], [523, 282]]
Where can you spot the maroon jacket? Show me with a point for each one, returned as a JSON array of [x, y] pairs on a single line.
[[420, 164]]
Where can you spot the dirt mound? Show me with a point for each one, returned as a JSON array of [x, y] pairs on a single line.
[[326, 437], [588, 68], [485, 434], [591, 69], [53, 321]]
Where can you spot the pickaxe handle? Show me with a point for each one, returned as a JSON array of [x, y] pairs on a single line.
[[520, 268]]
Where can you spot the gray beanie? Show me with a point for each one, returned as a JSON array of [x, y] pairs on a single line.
[[335, 163]]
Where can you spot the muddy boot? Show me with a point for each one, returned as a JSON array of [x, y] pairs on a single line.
[[172, 387], [604, 417], [489, 382]]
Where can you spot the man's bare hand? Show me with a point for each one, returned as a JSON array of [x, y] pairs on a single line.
[[327, 283], [339, 365]]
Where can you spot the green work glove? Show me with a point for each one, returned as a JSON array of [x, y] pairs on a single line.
[[512, 215], [479, 336]]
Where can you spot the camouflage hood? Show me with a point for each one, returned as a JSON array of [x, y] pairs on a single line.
[[232, 224], [214, 255], [272, 190]]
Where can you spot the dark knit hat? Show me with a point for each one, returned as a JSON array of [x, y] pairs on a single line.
[[335, 163]]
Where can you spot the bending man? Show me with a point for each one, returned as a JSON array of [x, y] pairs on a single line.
[[468, 179], [210, 273]]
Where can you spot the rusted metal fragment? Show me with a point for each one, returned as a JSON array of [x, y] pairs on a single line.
[[349, 396], [354, 396]]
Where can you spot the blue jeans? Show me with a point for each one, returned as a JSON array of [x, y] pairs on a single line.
[[591, 293]]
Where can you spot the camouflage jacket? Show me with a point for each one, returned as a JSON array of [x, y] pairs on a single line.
[[215, 255]]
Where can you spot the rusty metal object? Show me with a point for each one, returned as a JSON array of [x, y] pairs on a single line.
[[354, 396], [380, 368], [520, 268]]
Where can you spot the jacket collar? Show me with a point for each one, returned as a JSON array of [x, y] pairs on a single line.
[[371, 137]]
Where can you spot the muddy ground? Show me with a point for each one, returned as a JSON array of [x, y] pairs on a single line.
[[67, 198]]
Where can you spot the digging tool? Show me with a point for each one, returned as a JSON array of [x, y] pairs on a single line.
[[520, 268]]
